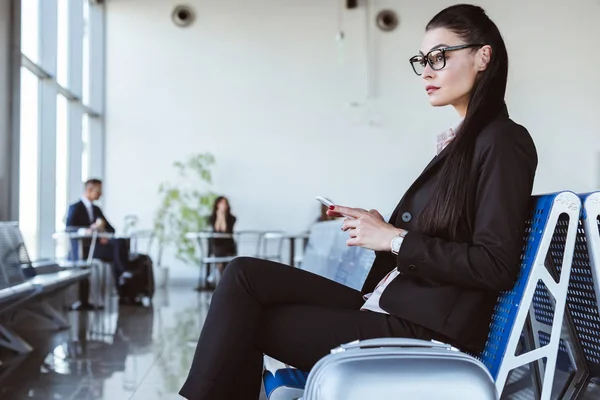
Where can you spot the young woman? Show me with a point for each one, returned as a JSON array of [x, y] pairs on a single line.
[[452, 244], [222, 221]]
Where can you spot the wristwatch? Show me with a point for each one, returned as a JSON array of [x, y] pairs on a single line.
[[397, 242]]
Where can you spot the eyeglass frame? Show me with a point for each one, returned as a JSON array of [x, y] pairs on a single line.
[[443, 50]]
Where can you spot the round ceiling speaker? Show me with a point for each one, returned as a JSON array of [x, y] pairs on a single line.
[[387, 20], [183, 16]]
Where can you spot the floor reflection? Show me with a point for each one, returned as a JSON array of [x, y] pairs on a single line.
[[118, 353]]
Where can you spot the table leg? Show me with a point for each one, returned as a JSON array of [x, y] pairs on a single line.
[[98, 265], [202, 271], [102, 285], [203, 277], [200, 280], [79, 250], [292, 251]]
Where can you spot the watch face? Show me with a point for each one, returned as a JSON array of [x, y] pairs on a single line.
[[396, 243]]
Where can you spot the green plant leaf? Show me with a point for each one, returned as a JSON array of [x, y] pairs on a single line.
[[185, 205]]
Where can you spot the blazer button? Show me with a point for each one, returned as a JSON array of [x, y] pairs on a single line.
[[406, 217], [412, 268]]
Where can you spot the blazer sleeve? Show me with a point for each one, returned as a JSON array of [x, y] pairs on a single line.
[[73, 221], [507, 163], [109, 227]]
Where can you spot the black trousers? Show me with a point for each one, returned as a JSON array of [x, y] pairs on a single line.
[[292, 315]]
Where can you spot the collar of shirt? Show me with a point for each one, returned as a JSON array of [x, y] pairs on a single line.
[[444, 138], [89, 207], [86, 202]]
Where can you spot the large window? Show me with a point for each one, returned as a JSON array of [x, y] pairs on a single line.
[[30, 29], [86, 148], [61, 89], [86, 53], [62, 162], [62, 45], [29, 159]]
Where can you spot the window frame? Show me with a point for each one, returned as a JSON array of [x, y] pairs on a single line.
[[72, 90]]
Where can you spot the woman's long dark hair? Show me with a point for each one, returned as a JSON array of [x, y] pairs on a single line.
[[450, 204], [213, 216]]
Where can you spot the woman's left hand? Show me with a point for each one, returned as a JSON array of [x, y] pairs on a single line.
[[367, 229]]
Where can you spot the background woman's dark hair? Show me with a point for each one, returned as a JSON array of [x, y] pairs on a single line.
[[213, 216], [450, 205]]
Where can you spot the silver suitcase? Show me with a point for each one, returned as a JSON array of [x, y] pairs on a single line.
[[396, 368]]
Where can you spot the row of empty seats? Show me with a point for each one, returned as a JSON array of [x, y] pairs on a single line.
[[21, 294], [545, 334]]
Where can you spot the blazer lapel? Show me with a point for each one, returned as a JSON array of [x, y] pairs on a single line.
[[444, 153], [436, 161], [94, 213]]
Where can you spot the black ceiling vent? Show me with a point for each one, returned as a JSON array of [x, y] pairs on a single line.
[[183, 16], [387, 20]]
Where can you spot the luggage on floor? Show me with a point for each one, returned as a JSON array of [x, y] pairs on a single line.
[[396, 368], [138, 280]]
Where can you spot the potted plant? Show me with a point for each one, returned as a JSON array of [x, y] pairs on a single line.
[[185, 206]]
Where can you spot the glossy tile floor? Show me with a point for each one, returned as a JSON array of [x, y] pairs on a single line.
[[119, 353], [128, 353]]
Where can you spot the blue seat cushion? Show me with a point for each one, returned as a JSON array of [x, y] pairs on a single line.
[[288, 377]]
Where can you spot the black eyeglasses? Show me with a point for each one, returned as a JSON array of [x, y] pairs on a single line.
[[435, 58]]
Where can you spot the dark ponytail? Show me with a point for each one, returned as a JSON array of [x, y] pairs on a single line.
[[450, 205]]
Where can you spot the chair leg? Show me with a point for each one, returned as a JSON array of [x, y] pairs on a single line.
[[14, 342], [47, 313]]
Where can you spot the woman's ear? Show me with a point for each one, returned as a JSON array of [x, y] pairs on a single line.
[[484, 56]]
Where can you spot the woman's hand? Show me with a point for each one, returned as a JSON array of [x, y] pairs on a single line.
[[367, 229]]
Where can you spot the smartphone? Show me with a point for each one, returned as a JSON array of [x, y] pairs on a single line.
[[325, 201]]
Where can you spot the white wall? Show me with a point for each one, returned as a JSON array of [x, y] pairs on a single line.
[[263, 86]]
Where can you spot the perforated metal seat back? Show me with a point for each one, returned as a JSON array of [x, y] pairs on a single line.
[[5, 248], [328, 255], [582, 307], [9, 254], [582, 302], [15, 237], [508, 303], [544, 303]]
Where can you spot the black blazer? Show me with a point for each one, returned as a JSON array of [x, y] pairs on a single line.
[[451, 288], [222, 247], [77, 217]]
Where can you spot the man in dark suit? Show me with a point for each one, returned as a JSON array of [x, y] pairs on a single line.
[[84, 214]]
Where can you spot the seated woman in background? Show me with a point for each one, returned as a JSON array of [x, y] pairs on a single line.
[[452, 244], [222, 221]]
